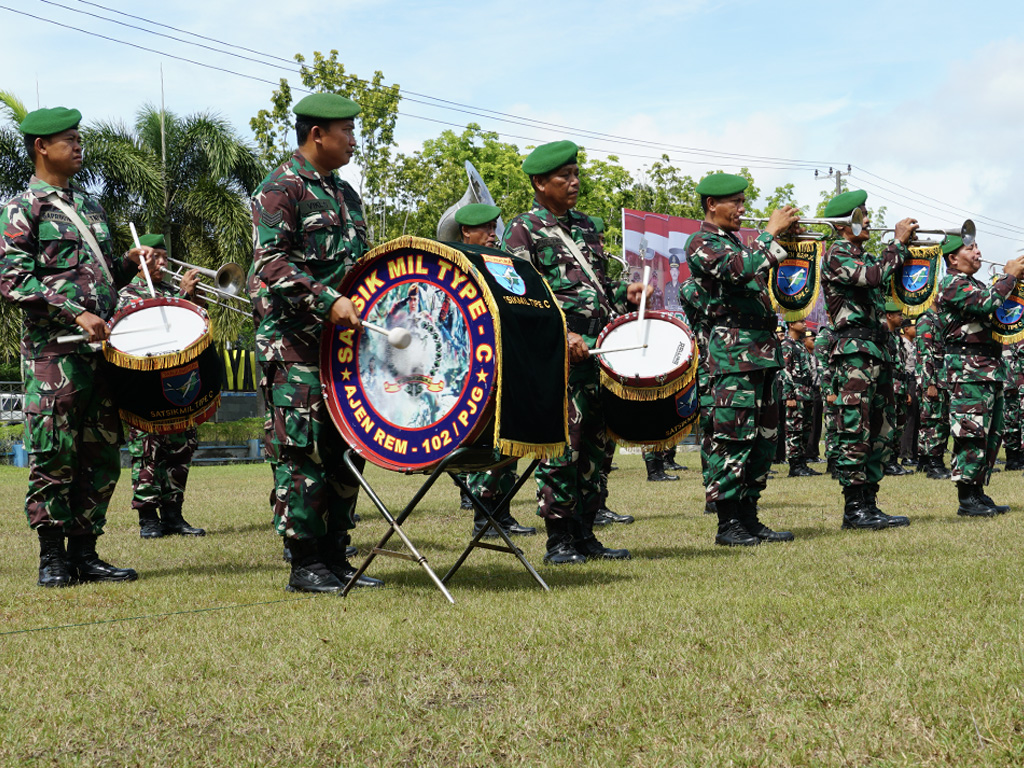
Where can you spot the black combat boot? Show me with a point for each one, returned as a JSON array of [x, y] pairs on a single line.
[[87, 566], [1013, 459], [606, 517], [149, 523], [747, 509], [799, 468], [971, 503], [857, 513], [669, 461], [731, 531], [893, 469], [53, 560], [174, 524], [479, 521], [587, 544], [334, 552], [710, 508], [1001, 509], [937, 469], [309, 572], [560, 548], [656, 470], [892, 521]]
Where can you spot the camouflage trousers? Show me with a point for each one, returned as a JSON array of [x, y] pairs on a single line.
[[494, 483], [160, 465], [896, 415], [72, 434], [744, 435], [798, 426], [314, 493], [864, 402], [976, 416], [934, 431], [831, 418], [707, 400], [571, 485], [1012, 418]]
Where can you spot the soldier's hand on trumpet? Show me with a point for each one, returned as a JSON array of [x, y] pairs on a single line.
[[782, 219], [189, 281], [905, 230], [1015, 267]]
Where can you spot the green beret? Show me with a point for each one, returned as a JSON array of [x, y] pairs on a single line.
[[153, 241], [845, 204], [326, 106], [892, 306], [46, 122], [476, 213], [549, 157], [598, 223], [951, 245], [721, 185]]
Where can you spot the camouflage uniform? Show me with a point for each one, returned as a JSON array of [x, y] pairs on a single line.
[[1013, 357], [743, 358], [974, 367], [72, 430], [822, 345], [571, 486], [308, 230], [160, 463], [693, 299], [931, 367], [854, 285], [797, 378], [902, 383]]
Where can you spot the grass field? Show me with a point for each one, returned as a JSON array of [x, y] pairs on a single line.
[[893, 648]]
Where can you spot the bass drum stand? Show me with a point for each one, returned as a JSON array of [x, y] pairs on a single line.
[[458, 461]]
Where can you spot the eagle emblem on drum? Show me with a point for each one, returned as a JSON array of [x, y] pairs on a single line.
[[915, 277], [792, 278], [181, 386], [504, 271], [1010, 311]]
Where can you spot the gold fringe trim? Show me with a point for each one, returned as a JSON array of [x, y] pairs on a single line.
[[176, 424], [157, 362], [646, 394], [458, 258], [543, 451], [919, 252], [802, 246], [1012, 338], [660, 445], [799, 247]]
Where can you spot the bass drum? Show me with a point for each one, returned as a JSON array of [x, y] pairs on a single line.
[[165, 374], [408, 409], [649, 395]]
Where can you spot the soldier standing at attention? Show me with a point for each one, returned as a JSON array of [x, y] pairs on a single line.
[[564, 246], [1013, 356], [477, 224], [694, 303], [798, 392], [854, 283], [742, 353], [964, 307], [57, 264], [160, 463], [308, 229], [822, 344], [934, 396], [899, 368]]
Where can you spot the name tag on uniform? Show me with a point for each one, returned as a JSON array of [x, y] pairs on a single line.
[[306, 207]]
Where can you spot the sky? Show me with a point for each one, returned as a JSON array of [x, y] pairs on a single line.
[[923, 100]]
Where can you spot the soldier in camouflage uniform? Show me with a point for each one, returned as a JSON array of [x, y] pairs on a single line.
[[899, 371], [694, 302], [854, 283], [57, 264], [797, 378], [964, 307], [742, 353], [908, 445], [308, 229], [933, 389], [160, 463], [822, 344], [1013, 357], [564, 246]]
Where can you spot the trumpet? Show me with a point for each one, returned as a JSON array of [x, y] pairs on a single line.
[[228, 281], [967, 232], [854, 221]]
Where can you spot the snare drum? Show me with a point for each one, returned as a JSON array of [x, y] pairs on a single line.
[[165, 374], [408, 409], [649, 395]]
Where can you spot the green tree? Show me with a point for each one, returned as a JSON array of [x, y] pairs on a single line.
[[275, 135]]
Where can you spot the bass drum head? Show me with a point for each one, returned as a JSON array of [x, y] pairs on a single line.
[[407, 409], [669, 352], [156, 328]]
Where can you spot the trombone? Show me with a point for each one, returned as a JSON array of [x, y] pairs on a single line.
[[228, 282], [854, 221]]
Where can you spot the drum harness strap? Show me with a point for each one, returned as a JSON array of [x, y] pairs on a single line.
[[83, 230], [745, 320], [584, 326], [868, 334], [989, 350]]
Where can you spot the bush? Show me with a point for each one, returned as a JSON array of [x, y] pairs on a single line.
[[231, 432]]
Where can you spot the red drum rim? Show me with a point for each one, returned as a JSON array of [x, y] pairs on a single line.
[[641, 382]]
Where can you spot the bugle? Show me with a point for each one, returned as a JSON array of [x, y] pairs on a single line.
[[228, 282], [854, 221], [967, 232]]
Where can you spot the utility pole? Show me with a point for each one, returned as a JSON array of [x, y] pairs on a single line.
[[834, 174]]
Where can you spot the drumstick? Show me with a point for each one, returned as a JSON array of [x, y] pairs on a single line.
[[85, 336], [399, 338], [78, 337], [603, 351], [145, 272], [643, 303]]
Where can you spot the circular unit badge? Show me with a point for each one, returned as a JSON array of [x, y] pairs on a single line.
[[407, 409]]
